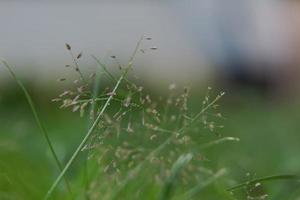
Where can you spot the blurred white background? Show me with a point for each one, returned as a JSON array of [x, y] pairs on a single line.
[[33, 34], [194, 37]]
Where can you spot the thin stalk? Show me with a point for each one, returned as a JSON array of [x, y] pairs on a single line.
[[104, 68], [94, 125], [264, 179], [200, 186], [91, 118], [37, 119], [219, 141], [77, 68]]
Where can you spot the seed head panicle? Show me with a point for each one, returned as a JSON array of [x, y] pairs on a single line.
[[138, 130]]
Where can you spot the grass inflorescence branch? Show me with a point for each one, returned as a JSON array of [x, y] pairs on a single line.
[[94, 125]]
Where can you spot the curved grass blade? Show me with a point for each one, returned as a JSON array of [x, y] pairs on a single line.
[[37, 119], [219, 141], [264, 179], [200, 186], [179, 164]]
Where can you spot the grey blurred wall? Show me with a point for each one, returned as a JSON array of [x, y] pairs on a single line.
[[191, 35], [33, 34]]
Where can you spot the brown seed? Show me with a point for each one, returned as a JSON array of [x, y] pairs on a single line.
[[153, 48], [111, 93], [186, 90], [68, 46], [64, 93], [75, 108], [61, 79], [80, 89], [172, 86], [67, 65], [79, 55], [56, 100]]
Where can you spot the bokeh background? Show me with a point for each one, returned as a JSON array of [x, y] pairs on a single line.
[[249, 49]]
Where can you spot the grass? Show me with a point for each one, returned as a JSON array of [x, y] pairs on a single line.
[[38, 121], [264, 179], [247, 156], [141, 146], [95, 123]]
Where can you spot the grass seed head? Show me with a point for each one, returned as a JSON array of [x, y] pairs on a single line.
[[79, 55], [68, 46]]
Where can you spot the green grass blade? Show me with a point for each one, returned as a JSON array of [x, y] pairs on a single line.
[[200, 186], [103, 66], [92, 109], [265, 179], [219, 141], [179, 164], [37, 119]]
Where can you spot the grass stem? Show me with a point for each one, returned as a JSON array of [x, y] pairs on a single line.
[[37, 119], [94, 125]]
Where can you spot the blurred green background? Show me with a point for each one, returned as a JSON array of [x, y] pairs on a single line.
[[268, 132]]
